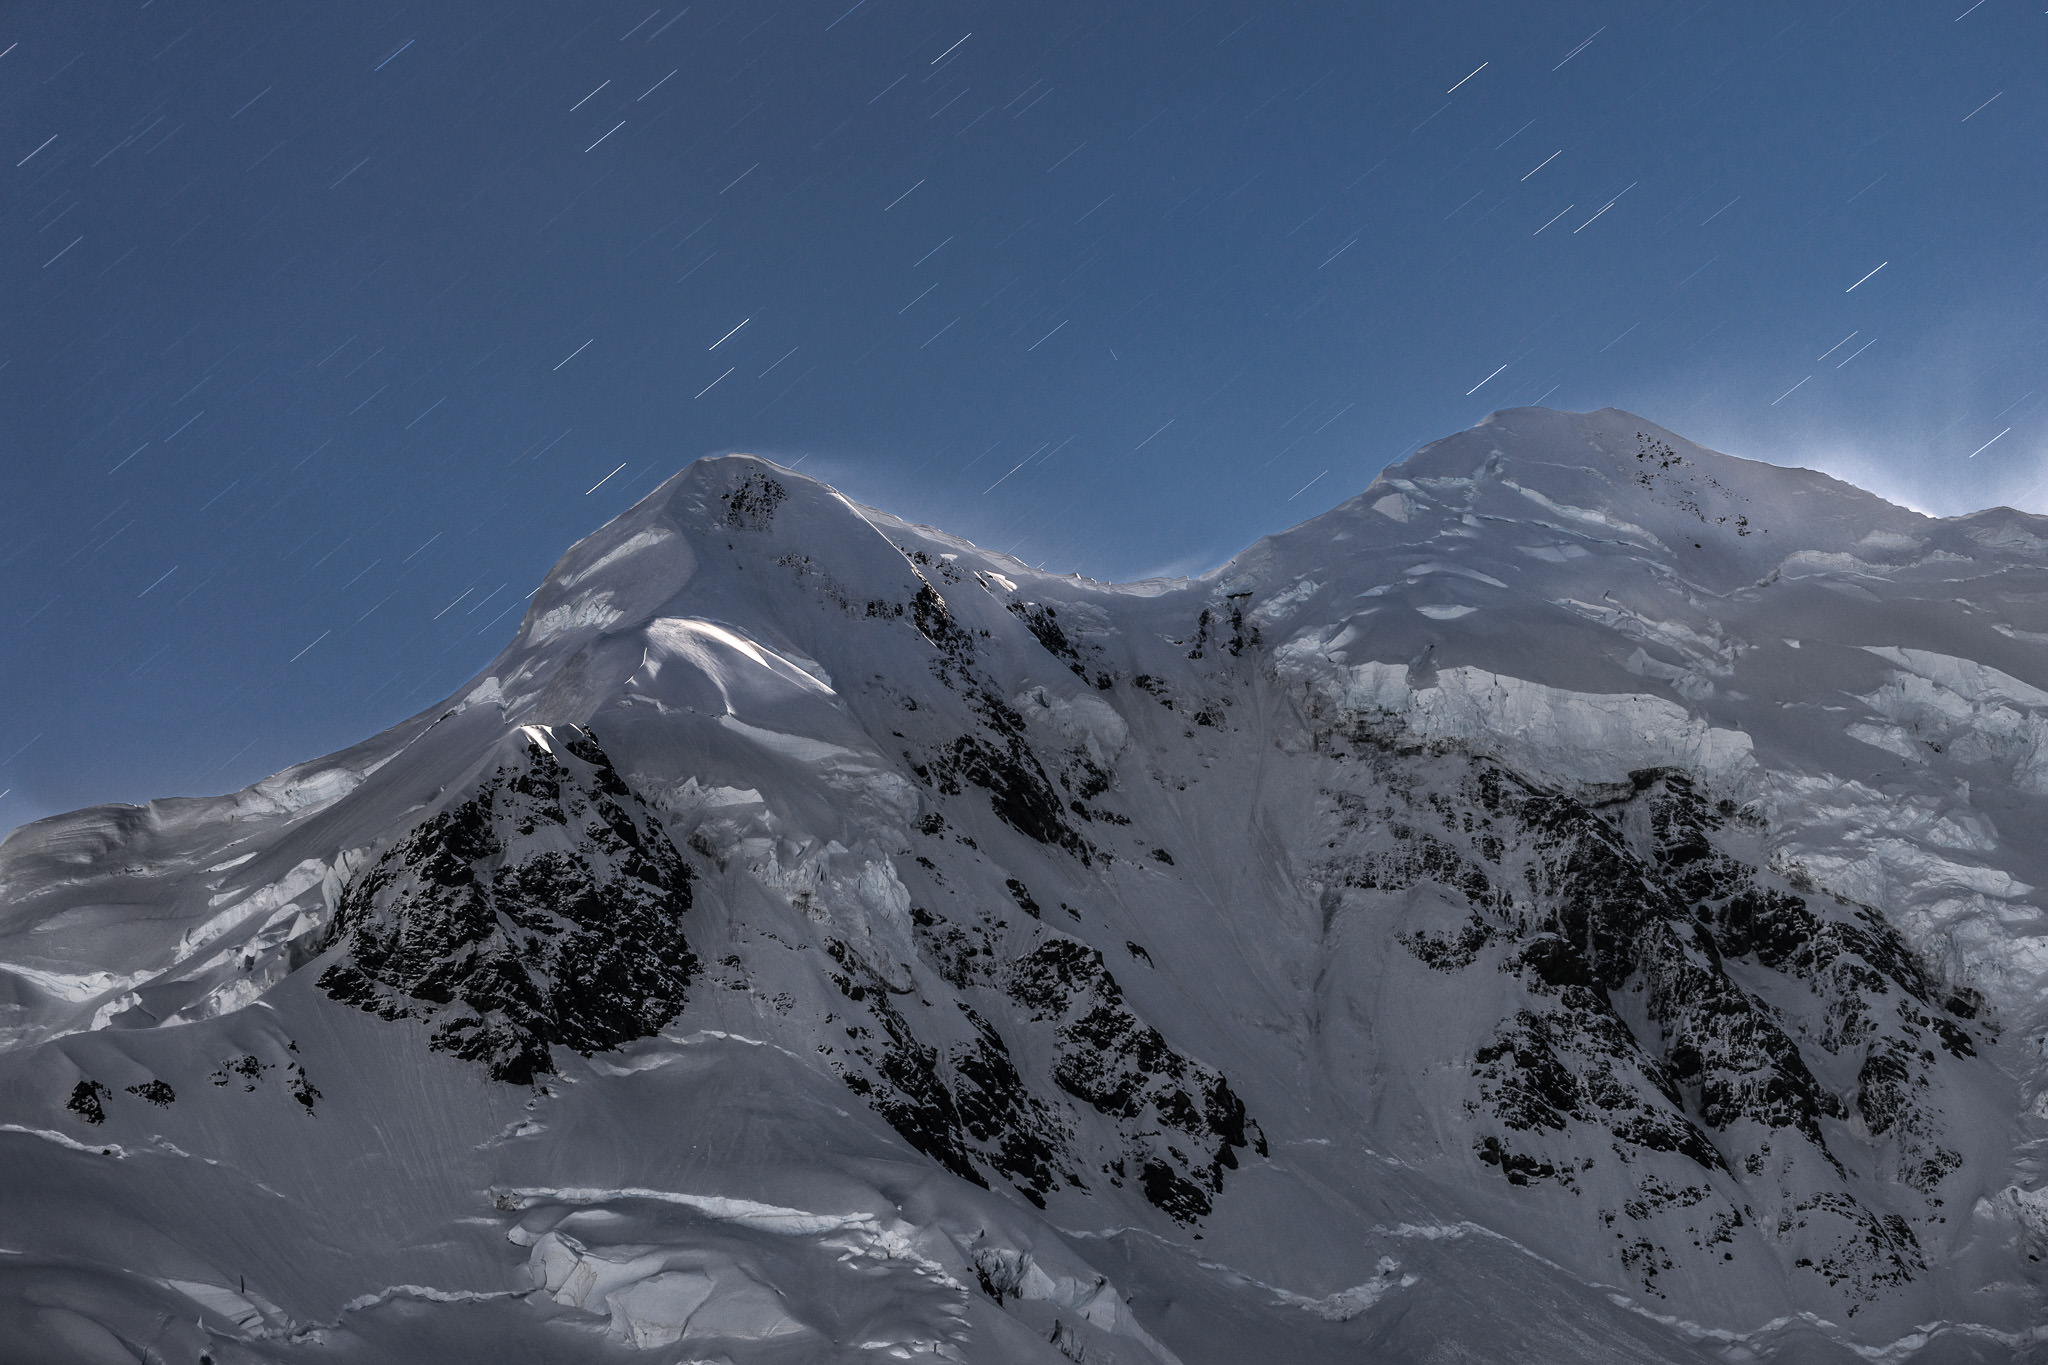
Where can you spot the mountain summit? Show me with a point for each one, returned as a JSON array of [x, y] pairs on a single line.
[[1571, 901]]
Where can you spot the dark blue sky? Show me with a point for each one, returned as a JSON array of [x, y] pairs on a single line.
[[328, 327]]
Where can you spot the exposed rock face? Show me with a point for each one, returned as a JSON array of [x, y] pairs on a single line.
[[1652, 967], [1175, 1125], [949, 1079], [1115, 1061], [545, 907]]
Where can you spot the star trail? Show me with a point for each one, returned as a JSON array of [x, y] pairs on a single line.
[[320, 321]]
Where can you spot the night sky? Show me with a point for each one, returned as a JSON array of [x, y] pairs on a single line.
[[328, 327]]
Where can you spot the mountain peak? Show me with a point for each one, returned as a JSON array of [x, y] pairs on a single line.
[[1584, 873], [626, 570], [1718, 519]]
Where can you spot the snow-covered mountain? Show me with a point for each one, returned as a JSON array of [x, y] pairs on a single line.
[[1574, 901]]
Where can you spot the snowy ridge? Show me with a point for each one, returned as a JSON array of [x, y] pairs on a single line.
[[1573, 900]]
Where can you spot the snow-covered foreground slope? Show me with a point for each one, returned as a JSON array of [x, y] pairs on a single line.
[[1575, 901]]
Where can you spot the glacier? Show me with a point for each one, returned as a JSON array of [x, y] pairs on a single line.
[[1572, 901]]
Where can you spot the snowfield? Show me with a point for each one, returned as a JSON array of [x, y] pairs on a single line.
[[1575, 901]]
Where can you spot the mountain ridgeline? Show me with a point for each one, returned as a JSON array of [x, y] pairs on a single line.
[[1572, 900]]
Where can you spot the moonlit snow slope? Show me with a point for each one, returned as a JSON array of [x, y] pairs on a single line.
[[1574, 901]]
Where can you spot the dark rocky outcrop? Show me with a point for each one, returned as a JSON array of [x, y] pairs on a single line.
[[1646, 951], [545, 908]]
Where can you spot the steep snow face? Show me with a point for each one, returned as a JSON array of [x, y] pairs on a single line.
[[1571, 901]]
